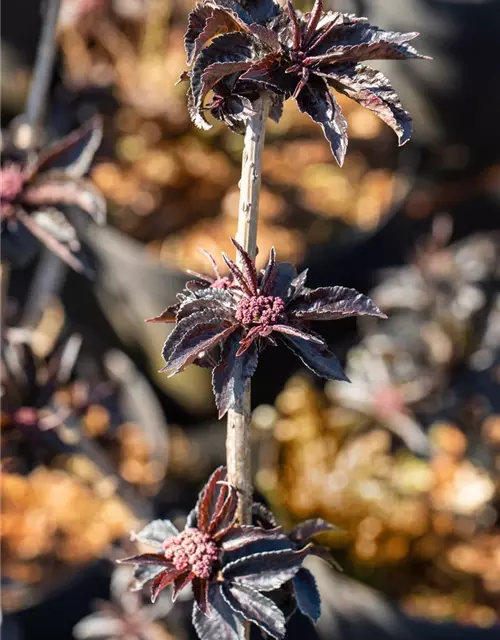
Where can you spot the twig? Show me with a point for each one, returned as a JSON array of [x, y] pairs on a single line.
[[51, 270], [238, 420], [37, 98], [5, 279]]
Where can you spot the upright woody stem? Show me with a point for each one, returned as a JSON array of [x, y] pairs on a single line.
[[238, 419]]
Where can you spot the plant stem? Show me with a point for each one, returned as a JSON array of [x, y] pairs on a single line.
[[37, 98], [50, 272], [238, 419]]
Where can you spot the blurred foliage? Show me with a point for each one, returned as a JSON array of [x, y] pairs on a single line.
[[424, 528], [165, 178]]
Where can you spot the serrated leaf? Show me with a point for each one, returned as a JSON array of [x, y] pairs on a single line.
[[316, 100], [306, 594], [209, 498], [205, 22], [146, 559], [166, 316], [162, 581], [156, 532], [309, 528], [285, 274], [248, 267], [265, 571], [230, 376], [256, 608], [196, 337], [144, 573], [297, 285], [210, 304], [318, 359], [242, 535], [290, 330], [223, 56], [332, 303], [269, 274], [220, 621], [372, 90]]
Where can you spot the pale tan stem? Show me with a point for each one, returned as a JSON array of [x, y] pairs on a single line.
[[238, 420]]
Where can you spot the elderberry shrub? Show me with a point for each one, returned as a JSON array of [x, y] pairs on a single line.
[[239, 49], [227, 328], [237, 572]]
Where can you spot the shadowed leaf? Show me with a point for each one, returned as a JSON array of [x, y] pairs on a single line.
[[316, 100], [306, 530], [221, 622], [246, 534], [155, 533], [256, 608], [319, 359], [230, 376], [265, 571], [332, 303], [307, 594]]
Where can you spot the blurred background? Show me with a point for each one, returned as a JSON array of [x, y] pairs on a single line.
[[405, 460]]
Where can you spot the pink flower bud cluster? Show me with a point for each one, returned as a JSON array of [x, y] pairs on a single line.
[[11, 184], [192, 550], [264, 310]]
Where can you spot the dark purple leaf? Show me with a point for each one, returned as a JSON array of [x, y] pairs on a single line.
[[209, 498], [225, 54], [364, 37], [242, 535], [146, 558], [298, 333], [238, 275], [319, 359], [262, 516], [314, 18], [248, 267], [144, 573], [307, 594], [210, 303], [206, 22], [256, 608], [230, 376], [225, 514], [166, 316], [298, 284], [285, 274], [155, 533], [74, 153], [269, 274], [200, 594], [316, 100], [195, 336], [332, 303], [57, 189], [372, 90], [180, 582], [265, 571], [162, 581], [296, 34], [306, 530], [221, 621], [267, 37]]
